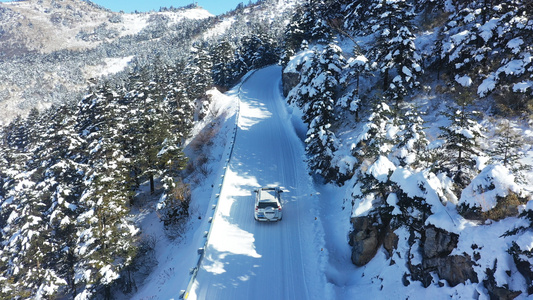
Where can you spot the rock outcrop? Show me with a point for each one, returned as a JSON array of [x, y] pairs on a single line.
[[289, 81], [368, 235], [438, 244], [435, 247], [364, 240]]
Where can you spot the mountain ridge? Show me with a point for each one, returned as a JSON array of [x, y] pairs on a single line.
[[52, 50]]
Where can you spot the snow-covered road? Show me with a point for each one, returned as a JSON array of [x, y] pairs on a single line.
[[246, 259]]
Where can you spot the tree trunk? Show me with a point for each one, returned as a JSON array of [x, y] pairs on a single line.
[[107, 292], [152, 184], [386, 80]]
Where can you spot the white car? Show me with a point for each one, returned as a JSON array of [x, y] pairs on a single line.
[[268, 204]]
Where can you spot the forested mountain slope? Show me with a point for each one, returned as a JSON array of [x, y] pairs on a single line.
[[50, 50], [421, 112], [101, 121], [416, 122]]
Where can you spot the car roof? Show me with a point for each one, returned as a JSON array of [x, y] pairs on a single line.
[[268, 195]]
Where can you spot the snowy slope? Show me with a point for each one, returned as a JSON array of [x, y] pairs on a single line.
[[246, 259], [176, 258], [47, 26]]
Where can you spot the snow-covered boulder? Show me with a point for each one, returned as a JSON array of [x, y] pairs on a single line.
[[493, 194]]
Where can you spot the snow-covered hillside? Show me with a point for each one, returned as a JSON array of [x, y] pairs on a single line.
[[400, 131], [48, 26], [50, 51]]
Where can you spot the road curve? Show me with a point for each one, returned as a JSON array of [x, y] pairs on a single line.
[[246, 259]]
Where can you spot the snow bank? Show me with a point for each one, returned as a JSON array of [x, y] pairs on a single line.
[[303, 56], [381, 169], [494, 181]]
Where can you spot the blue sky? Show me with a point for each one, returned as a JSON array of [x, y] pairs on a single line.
[[215, 7]]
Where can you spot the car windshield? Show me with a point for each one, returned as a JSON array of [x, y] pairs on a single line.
[[268, 204]]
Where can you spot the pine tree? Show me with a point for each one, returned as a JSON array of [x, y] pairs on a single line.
[[373, 149], [411, 145], [223, 58], [461, 40], [307, 26], [357, 66], [22, 226], [357, 15], [258, 51], [507, 149], [17, 134], [199, 72], [395, 51], [321, 142], [59, 153], [303, 91], [461, 139], [376, 139], [489, 43], [106, 239]]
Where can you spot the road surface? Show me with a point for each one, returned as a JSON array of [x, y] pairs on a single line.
[[246, 259]]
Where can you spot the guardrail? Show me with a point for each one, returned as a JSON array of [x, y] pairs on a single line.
[[184, 294]]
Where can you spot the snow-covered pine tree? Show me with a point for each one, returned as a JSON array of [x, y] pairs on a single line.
[[199, 72], [460, 48], [319, 113], [17, 134], [378, 134], [355, 15], [59, 154], [172, 161], [357, 65], [372, 150], [106, 238], [223, 58], [157, 127], [318, 19], [461, 139], [307, 26], [489, 42], [29, 245], [507, 149], [258, 51], [24, 233], [179, 107], [302, 92], [411, 143], [509, 34], [394, 50]]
